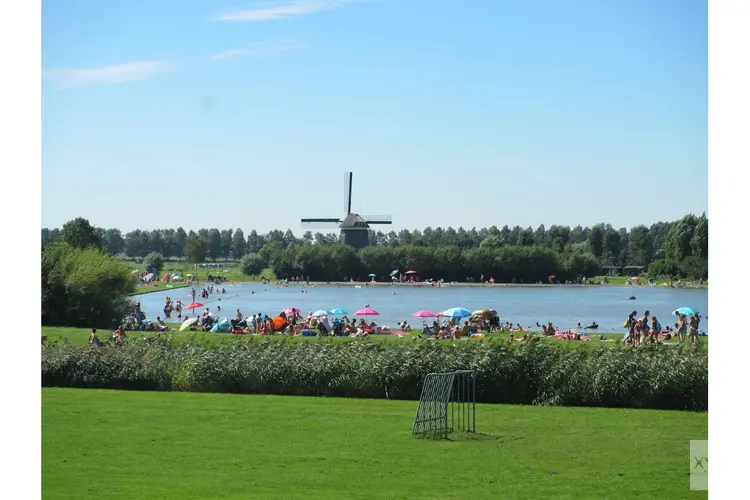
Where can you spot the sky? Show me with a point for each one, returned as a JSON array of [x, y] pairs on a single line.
[[246, 114]]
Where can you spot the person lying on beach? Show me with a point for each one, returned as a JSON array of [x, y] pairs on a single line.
[[160, 326]]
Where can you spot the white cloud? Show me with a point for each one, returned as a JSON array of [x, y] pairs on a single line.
[[119, 73], [281, 10], [259, 49]]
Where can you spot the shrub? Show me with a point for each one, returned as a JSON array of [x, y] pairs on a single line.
[[506, 373], [251, 264], [83, 287], [153, 260]]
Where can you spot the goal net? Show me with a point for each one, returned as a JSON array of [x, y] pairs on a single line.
[[447, 404]]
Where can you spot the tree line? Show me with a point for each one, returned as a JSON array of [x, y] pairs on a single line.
[[678, 248]]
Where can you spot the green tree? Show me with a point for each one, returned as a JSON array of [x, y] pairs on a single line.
[[526, 238], [611, 243], [226, 243], [213, 238], [677, 244], [239, 244], [83, 287], [699, 241], [136, 244], [640, 246], [114, 243], [180, 240], [251, 264], [78, 233], [559, 236], [196, 249], [154, 260], [254, 242], [596, 241]]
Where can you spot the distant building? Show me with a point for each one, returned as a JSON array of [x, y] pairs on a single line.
[[611, 270]]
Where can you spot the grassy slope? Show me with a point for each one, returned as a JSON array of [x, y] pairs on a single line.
[[80, 336], [131, 445]]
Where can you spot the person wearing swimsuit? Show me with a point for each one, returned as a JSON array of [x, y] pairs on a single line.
[[693, 330]]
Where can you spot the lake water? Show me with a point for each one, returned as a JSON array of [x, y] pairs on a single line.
[[564, 306]]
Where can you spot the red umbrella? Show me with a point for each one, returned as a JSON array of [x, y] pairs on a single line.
[[424, 314], [410, 272], [367, 311], [192, 305]]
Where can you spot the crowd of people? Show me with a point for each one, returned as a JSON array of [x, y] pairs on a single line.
[[647, 329]]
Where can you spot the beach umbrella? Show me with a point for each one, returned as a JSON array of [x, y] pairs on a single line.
[[411, 271], [371, 275], [192, 305], [188, 323], [552, 276], [367, 311], [424, 313], [320, 312], [291, 310], [394, 272], [456, 312], [635, 278], [338, 312], [687, 311], [134, 271]]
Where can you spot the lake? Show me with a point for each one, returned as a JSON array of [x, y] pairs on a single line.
[[564, 306]]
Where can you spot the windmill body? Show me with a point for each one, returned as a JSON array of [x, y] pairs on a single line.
[[353, 227]]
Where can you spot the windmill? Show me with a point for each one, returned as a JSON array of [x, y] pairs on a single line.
[[354, 227]]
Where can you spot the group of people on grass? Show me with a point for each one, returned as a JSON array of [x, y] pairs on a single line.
[[293, 323], [648, 330]]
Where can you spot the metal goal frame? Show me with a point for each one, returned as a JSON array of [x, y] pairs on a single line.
[[447, 404]]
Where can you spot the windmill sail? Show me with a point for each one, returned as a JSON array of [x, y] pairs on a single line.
[[354, 227]]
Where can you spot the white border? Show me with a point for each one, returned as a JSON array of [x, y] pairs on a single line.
[[20, 161], [728, 85], [21, 207]]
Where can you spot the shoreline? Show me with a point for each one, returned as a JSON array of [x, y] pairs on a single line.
[[465, 284]]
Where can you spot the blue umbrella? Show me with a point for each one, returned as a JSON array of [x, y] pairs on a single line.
[[320, 312], [371, 275], [338, 311], [687, 311], [457, 312]]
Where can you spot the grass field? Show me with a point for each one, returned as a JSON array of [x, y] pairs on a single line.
[[80, 336], [132, 445], [229, 270]]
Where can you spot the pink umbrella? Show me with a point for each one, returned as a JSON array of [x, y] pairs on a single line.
[[367, 312], [635, 278], [424, 313], [291, 310], [410, 272]]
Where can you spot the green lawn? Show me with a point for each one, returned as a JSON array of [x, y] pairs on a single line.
[[133, 445], [231, 270], [80, 336]]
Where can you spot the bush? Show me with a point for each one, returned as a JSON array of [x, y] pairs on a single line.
[[251, 264], [153, 260], [83, 287], [506, 373]]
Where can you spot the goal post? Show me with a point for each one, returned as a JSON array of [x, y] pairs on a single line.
[[447, 404]]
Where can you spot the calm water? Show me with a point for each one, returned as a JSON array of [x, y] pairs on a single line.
[[565, 306]]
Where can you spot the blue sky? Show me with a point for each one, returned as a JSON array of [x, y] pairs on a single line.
[[245, 114]]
